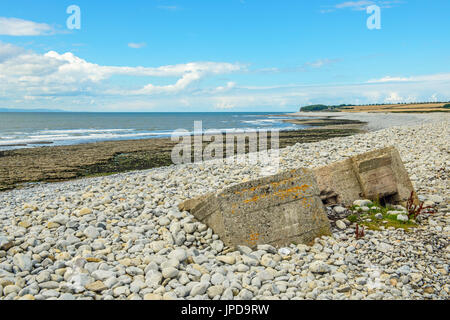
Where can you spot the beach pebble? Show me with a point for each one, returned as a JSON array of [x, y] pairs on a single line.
[[319, 267], [339, 209], [178, 254], [122, 237], [362, 203], [169, 272], [91, 232], [341, 225], [23, 262]]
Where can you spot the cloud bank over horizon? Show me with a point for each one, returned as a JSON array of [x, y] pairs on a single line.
[[54, 80], [20, 27], [262, 62]]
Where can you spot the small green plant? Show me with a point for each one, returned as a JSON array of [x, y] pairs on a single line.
[[371, 222], [352, 218]]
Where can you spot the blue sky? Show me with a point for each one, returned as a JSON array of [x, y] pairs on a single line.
[[224, 55]]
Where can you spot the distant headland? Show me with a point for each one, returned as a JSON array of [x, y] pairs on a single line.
[[29, 110], [398, 107]]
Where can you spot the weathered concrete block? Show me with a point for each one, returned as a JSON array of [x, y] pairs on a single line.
[[276, 210], [378, 174]]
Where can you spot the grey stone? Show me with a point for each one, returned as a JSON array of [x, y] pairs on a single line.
[[245, 294], [244, 250], [217, 245], [91, 232], [23, 262], [199, 289], [66, 296], [227, 294], [217, 278], [40, 248], [134, 271], [339, 209], [136, 286], [163, 221], [249, 260], [11, 289], [169, 272], [181, 291], [153, 278], [102, 274], [362, 203], [123, 290], [319, 267], [179, 254], [214, 291], [284, 251], [268, 248], [340, 277], [405, 269], [48, 294], [341, 225], [384, 247], [43, 276], [5, 244], [49, 285], [60, 219], [265, 275], [174, 263]]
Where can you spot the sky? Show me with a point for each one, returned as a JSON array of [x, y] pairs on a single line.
[[221, 55]]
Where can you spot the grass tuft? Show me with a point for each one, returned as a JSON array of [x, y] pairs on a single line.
[[369, 220]]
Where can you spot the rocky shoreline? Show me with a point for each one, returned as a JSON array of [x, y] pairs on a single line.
[[60, 163], [123, 237]]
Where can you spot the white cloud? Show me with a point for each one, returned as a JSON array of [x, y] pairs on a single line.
[[137, 45], [20, 27], [360, 5], [225, 103], [394, 97], [387, 79], [221, 89], [355, 5], [55, 73], [29, 79], [8, 51], [307, 66], [190, 73], [432, 77]]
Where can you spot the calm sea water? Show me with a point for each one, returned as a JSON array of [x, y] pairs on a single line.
[[25, 130]]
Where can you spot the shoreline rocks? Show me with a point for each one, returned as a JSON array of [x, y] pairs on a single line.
[[134, 243]]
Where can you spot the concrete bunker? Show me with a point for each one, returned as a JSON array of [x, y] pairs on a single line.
[[289, 207]]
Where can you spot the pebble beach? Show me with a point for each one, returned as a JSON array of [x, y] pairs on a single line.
[[123, 237]]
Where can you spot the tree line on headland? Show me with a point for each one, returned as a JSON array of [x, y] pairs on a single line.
[[335, 108]]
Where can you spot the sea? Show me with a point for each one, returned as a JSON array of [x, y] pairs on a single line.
[[35, 129]]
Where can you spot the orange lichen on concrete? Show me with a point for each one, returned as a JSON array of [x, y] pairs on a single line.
[[276, 210], [253, 239], [294, 192], [273, 184]]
